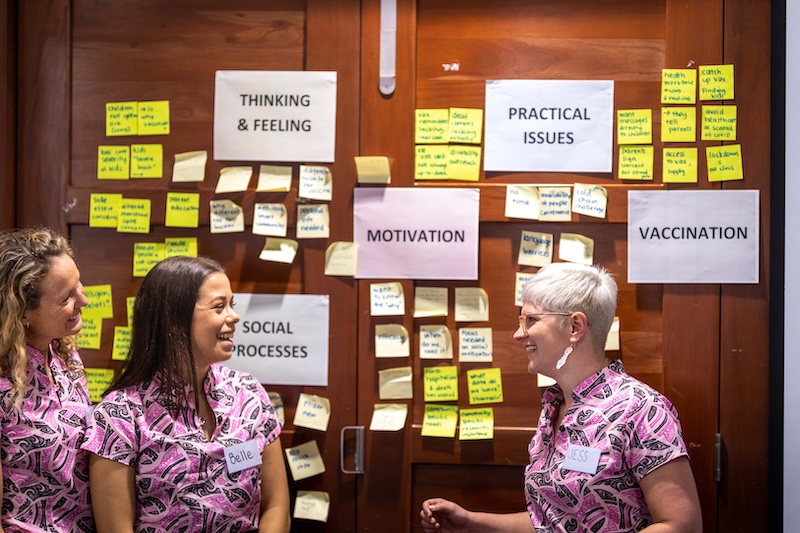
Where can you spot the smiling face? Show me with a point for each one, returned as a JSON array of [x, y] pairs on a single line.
[[545, 339], [61, 298], [213, 322]]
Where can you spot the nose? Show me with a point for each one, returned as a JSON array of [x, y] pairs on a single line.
[[233, 317], [520, 334], [81, 300]]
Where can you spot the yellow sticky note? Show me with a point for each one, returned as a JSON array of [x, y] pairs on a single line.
[[225, 217], [634, 126], [430, 162], [154, 117], [441, 383], [475, 345], [129, 303], [522, 201], [635, 163], [100, 304], [145, 256], [476, 424], [435, 342], [387, 299], [576, 248], [98, 380], [520, 279], [555, 204], [190, 166], [724, 163], [464, 163], [134, 216], [590, 200], [395, 383], [391, 340], [718, 123], [431, 126], [122, 118], [341, 259], [612, 341], [440, 421], [278, 250], [313, 412], [147, 161], [313, 221], [678, 86], [466, 125], [234, 179], [305, 460], [122, 342], [485, 386], [113, 162], [716, 82], [91, 332], [104, 210], [316, 183], [183, 210], [274, 178], [373, 169], [312, 505], [270, 220], [535, 249], [180, 246], [430, 301], [678, 124], [472, 304], [679, 165], [388, 417]]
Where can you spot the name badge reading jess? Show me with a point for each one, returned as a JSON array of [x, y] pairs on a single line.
[[241, 456], [582, 459]]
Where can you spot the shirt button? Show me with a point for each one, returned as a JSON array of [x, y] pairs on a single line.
[[562, 428]]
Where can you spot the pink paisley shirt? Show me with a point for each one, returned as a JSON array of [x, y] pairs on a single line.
[[181, 478], [45, 473], [636, 430]]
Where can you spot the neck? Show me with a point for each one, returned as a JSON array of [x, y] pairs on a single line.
[[577, 370], [201, 377]]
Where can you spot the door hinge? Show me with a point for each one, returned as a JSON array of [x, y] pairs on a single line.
[[718, 457]]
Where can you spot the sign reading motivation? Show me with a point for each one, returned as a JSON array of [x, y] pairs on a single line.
[[408, 233], [282, 339], [549, 125], [693, 236], [275, 116]]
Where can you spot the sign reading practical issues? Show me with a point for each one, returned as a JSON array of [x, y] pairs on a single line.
[[408, 233], [549, 125], [282, 339], [275, 116], [693, 236]]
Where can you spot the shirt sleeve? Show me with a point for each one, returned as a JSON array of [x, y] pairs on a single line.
[[112, 430], [656, 437], [269, 425]]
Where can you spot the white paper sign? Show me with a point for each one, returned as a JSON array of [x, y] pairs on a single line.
[[549, 125], [275, 116], [693, 236], [411, 233], [282, 339]]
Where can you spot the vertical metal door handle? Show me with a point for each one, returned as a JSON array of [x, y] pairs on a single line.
[[359, 455]]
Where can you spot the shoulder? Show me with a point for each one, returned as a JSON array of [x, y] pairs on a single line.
[[235, 380]]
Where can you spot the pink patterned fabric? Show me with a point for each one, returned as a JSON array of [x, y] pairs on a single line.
[[636, 429], [181, 478], [45, 473]]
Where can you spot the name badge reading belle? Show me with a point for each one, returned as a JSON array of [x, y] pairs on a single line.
[[241, 456], [582, 459]]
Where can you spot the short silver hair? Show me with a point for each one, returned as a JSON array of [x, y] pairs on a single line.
[[571, 287]]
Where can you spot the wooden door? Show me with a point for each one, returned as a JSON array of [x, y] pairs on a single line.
[[78, 55], [678, 338]]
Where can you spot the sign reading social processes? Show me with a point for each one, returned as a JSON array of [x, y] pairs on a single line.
[[282, 339], [275, 116], [409, 233], [693, 236], [549, 125]]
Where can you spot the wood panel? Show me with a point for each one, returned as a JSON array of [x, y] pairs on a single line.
[[8, 116]]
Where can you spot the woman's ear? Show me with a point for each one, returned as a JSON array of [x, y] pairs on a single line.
[[579, 327]]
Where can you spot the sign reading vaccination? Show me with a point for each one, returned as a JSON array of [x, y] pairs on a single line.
[[282, 339], [275, 116], [549, 125]]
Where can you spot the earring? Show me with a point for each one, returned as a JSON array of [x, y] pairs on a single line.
[[27, 326], [561, 362]]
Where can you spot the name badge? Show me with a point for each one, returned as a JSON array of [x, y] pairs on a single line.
[[241, 456], [582, 459]]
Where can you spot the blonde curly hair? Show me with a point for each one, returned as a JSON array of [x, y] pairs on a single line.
[[26, 256]]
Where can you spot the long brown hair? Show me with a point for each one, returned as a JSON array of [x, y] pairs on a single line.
[[26, 256], [161, 329]]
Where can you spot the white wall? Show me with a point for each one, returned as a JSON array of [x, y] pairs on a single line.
[[791, 353]]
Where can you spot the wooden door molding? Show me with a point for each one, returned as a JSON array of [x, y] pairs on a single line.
[[8, 120]]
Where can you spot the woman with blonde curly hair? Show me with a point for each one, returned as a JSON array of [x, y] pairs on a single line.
[[44, 398]]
